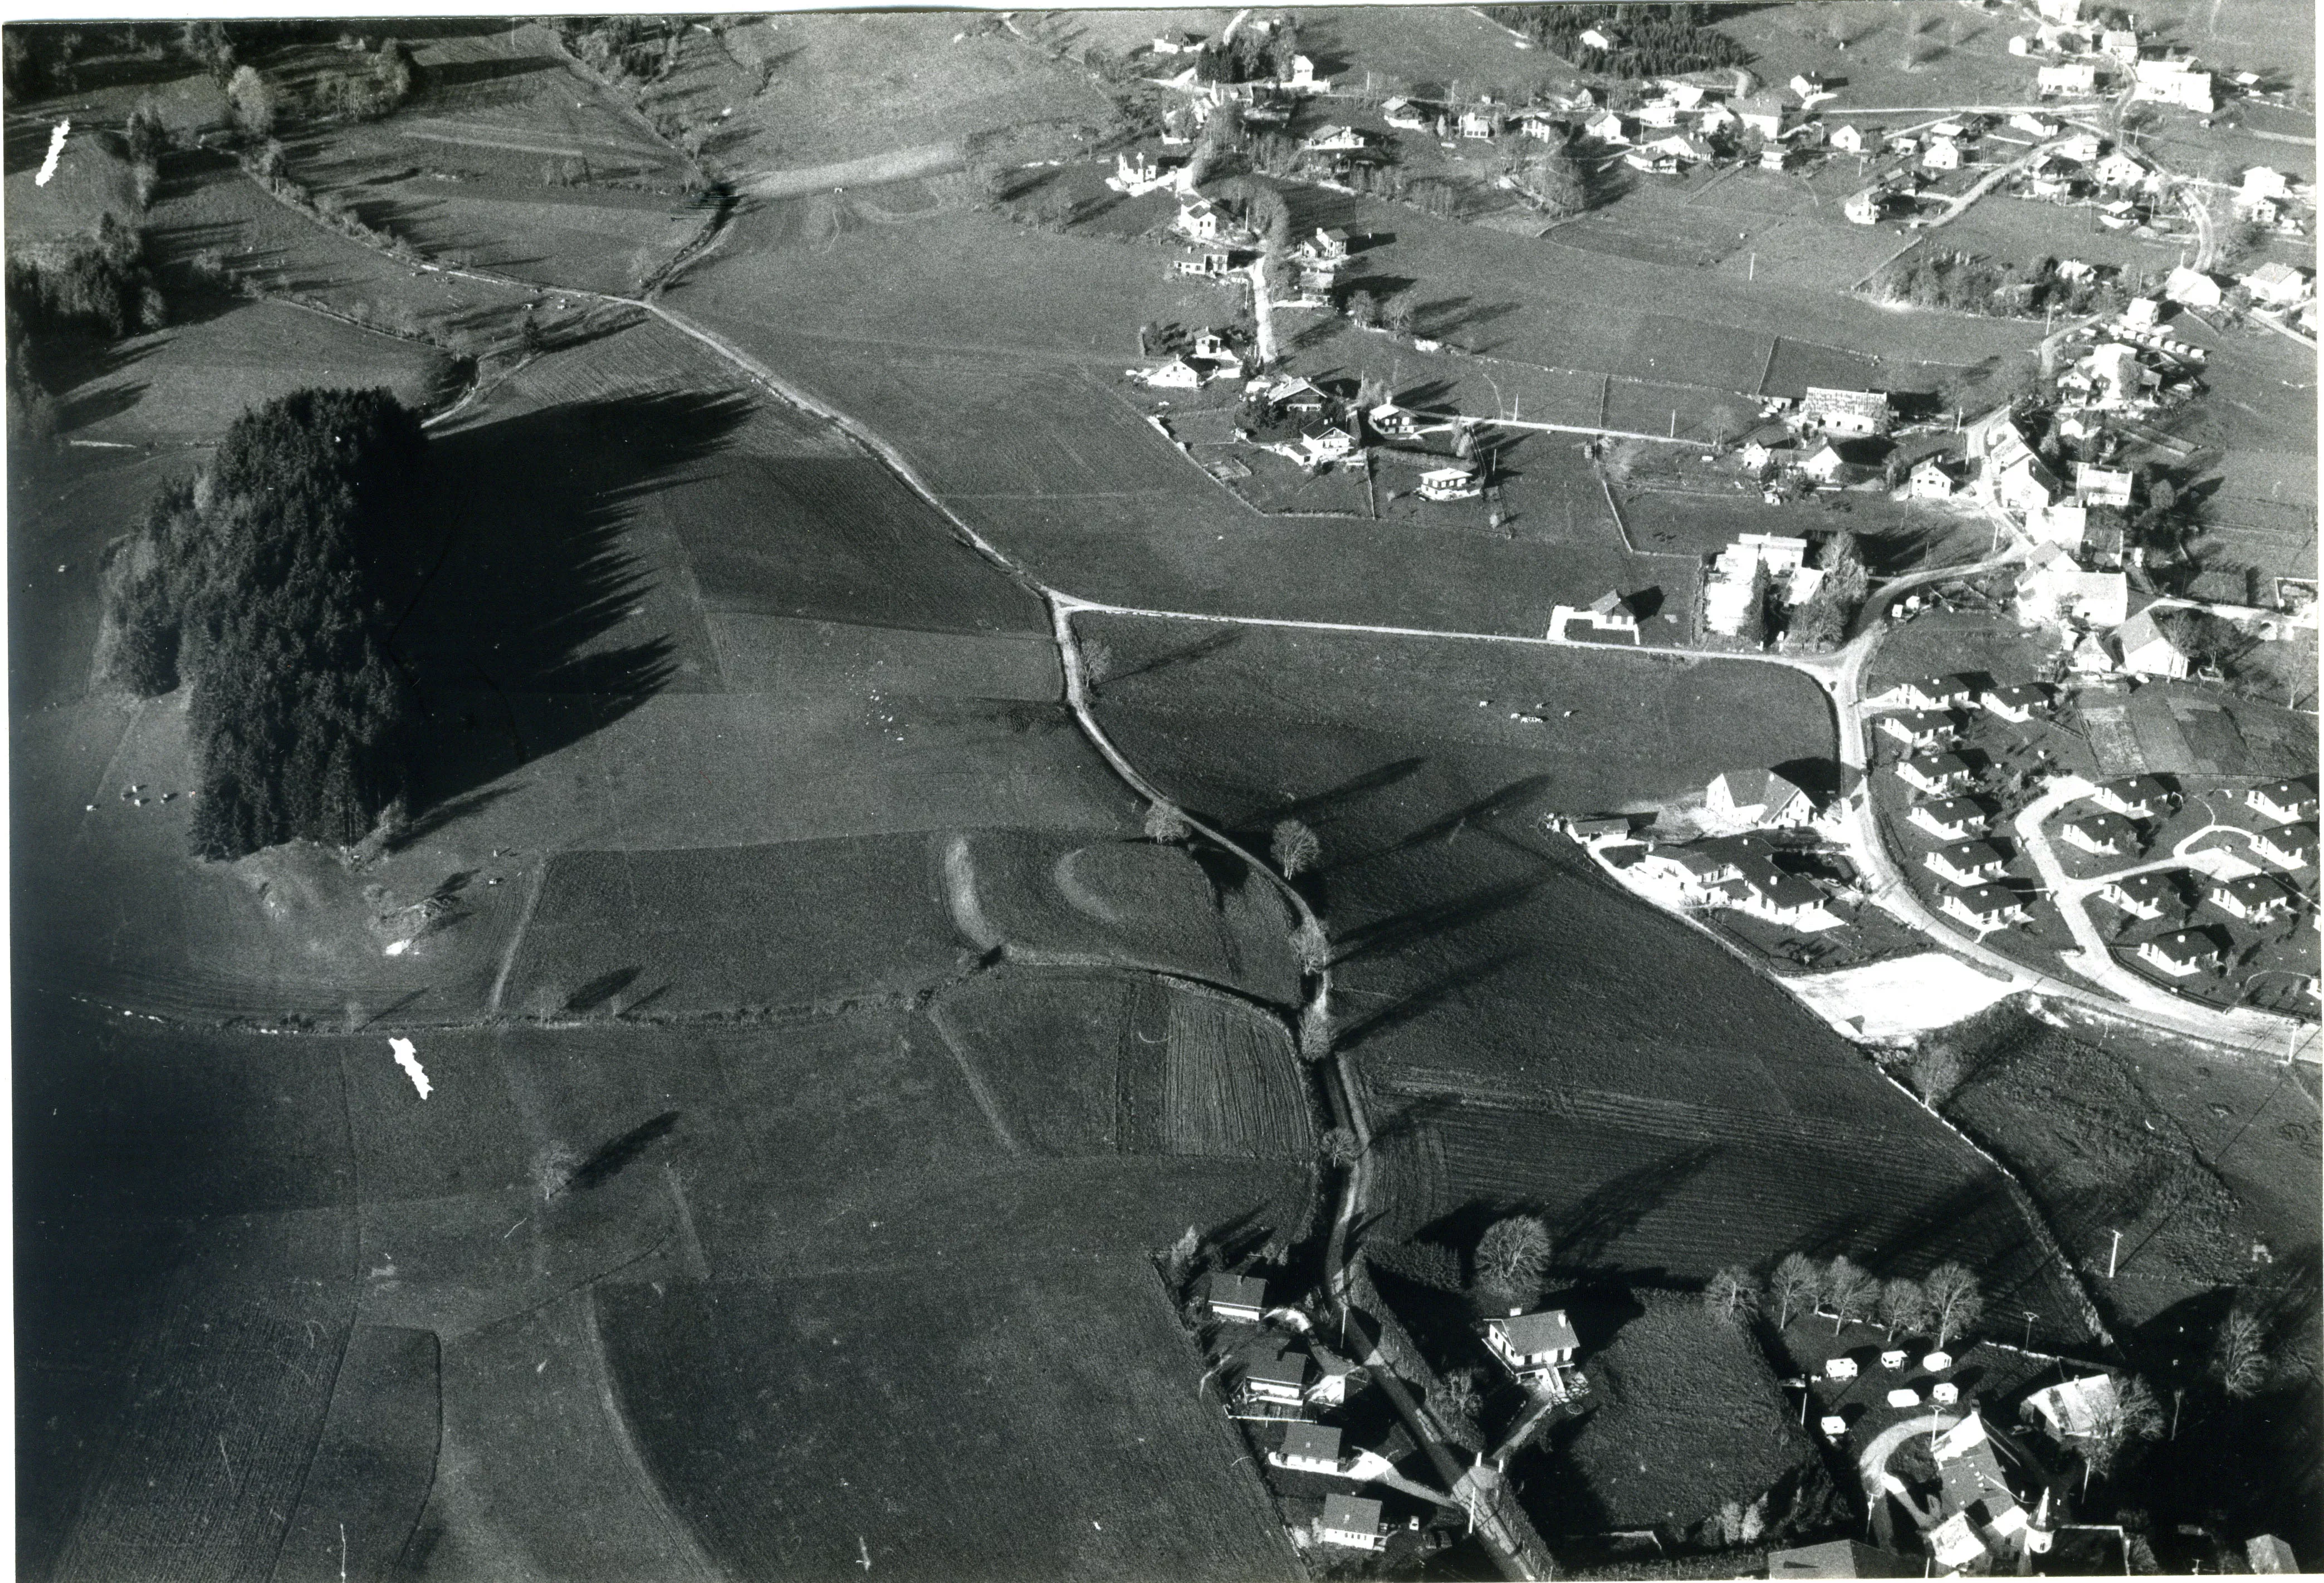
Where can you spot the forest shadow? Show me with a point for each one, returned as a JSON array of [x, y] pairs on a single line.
[[511, 635]]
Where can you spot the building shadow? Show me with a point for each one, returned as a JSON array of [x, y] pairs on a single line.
[[513, 632]]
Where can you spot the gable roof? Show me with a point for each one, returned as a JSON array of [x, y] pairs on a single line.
[[2135, 789], [2184, 945], [1286, 1367], [1248, 1290], [1352, 1513], [1530, 1334], [1320, 1441], [1869, 405]]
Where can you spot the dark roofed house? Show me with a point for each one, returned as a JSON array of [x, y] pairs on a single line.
[[2143, 896], [1236, 1297], [2255, 898], [1766, 891], [1279, 1377], [1532, 1344], [1985, 906], [1352, 1523], [2107, 834], [2284, 801], [1308, 1448], [1952, 819], [2184, 954], [2287, 846], [1966, 862], [2018, 703], [2134, 796], [1933, 773]]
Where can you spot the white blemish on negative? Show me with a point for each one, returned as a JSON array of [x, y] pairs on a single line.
[[408, 1057], [56, 147]]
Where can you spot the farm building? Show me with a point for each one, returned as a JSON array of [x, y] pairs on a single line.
[[1532, 1346], [2074, 76], [2284, 801], [2147, 650], [1755, 799], [1763, 115], [1952, 819], [1241, 1298], [1842, 1558], [2017, 704], [2119, 170], [2053, 588], [2255, 898], [2039, 125], [1932, 479], [2134, 796], [2287, 846], [2182, 953], [1966, 862], [1985, 906], [1404, 114], [1177, 42], [1607, 128], [2101, 486], [1919, 728], [2105, 835], [1933, 774], [1726, 590], [2146, 896], [1776, 157], [1308, 1448], [1352, 1523], [1867, 207], [2278, 285], [2191, 287], [2172, 82]]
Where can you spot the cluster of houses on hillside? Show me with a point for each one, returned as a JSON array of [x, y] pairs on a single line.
[[2083, 56]]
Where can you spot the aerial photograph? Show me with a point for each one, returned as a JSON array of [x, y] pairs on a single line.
[[1370, 791]]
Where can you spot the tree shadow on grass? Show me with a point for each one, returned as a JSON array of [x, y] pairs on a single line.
[[510, 631], [610, 1161]]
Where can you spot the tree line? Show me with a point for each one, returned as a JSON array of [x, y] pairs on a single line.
[[1650, 40], [260, 581], [1944, 1303]]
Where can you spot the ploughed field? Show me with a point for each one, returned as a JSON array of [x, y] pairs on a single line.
[[1529, 1035]]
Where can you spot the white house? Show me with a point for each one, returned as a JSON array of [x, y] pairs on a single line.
[[1200, 220], [1764, 117], [2122, 43], [1601, 38], [1824, 462], [1335, 140], [2134, 796], [2017, 704], [1965, 862], [1766, 891], [1326, 442], [2118, 169], [2287, 846], [1985, 908], [2023, 484], [2146, 651], [2041, 127], [1755, 799], [1352, 1523], [1178, 374], [1452, 483], [1938, 692], [1477, 124], [1241, 1298], [2105, 834], [1930, 479], [1532, 1345], [1302, 78], [2172, 82], [1177, 42], [1308, 1448], [1404, 114], [1607, 128], [2182, 953], [2278, 285], [1952, 819], [2283, 801], [1942, 154], [2146, 896], [1848, 138]]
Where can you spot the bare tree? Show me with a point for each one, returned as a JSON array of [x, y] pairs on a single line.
[[1955, 1303], [1165, 823], [1451, 1399], [552, 1169], [1511, 1257], [1848, 1290], [1339, 1146], [2132, 1416], [1795, 1285], [1733, 1295], [1903, 1306], [1311, 948], [2241, 1360], [1315, 1032], [1296, 849]]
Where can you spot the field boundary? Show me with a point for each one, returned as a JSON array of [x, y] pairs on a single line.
[[977, 1089]]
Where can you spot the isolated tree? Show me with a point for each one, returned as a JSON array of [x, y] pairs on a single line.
[[1733, 1295], [553, 1167], [1315, 1032], [1339, 1146], [2133, 1415], [1848, 1290], [2241, 1359], [1452, 1401], [1955, 1302], [1399, 311], [1311, 948], [1179, 1261], [1554, 177], [1754, 628], [253, 100], [1512, 1255], [1295, 848], [1903, 1306], [1166, 824], [1796, 1285]]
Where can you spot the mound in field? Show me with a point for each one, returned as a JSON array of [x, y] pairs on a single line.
[[1077, 1063], [1129, 904]]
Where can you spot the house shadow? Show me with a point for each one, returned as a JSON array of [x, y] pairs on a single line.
[[510, 626]]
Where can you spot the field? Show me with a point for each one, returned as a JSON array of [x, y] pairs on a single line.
[[1055, 1423], [1684, 1416]]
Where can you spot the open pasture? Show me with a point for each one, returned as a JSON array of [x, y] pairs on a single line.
[[91, 180], [724, 927], [1913, 52], [1039, 1421]]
